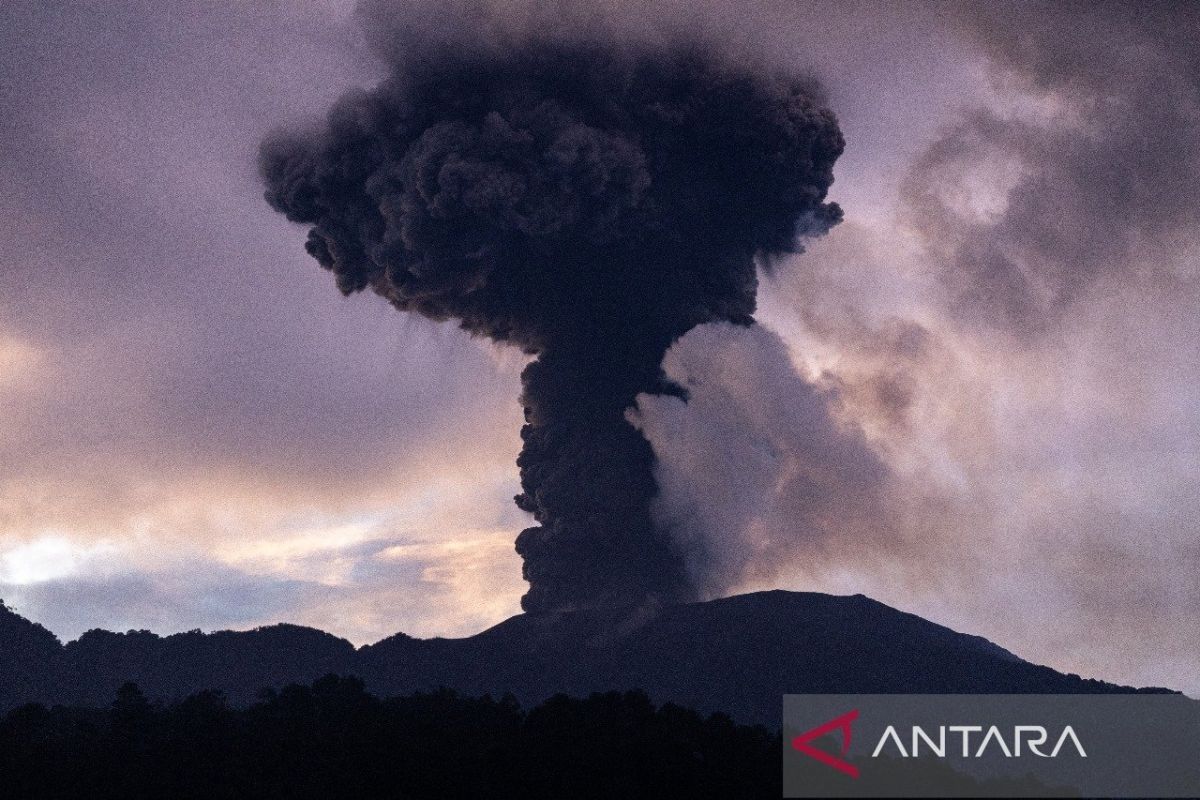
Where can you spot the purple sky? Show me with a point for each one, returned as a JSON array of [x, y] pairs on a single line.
[[197, 430]]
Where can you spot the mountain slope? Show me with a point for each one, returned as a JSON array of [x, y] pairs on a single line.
[[737, 655], [29, 660], [239, 663]]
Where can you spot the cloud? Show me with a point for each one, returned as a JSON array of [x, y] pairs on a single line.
[[1042, 251], [1051, 477], [1080, 177], [365, 591], [161, 341]]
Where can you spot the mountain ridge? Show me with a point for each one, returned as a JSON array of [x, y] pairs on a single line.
[[736, 655]]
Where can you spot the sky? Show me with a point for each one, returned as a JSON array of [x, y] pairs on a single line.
[[975, 399]]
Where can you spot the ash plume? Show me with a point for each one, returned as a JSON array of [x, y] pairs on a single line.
[[590, 204]]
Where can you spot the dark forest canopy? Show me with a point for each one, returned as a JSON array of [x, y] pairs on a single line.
[[334, 739]]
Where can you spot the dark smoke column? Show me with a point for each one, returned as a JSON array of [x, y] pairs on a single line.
[[589, 205]]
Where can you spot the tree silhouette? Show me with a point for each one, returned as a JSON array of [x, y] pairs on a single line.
[[334, 739]]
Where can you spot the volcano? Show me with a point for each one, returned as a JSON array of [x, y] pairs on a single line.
[[736, 655]]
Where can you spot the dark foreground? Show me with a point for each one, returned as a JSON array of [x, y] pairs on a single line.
[[334, 739]]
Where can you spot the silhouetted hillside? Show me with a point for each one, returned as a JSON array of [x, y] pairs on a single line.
[[30, 657], [737, 655], [238, 663]]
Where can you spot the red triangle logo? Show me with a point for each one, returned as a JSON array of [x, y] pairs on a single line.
[[801, 743]]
